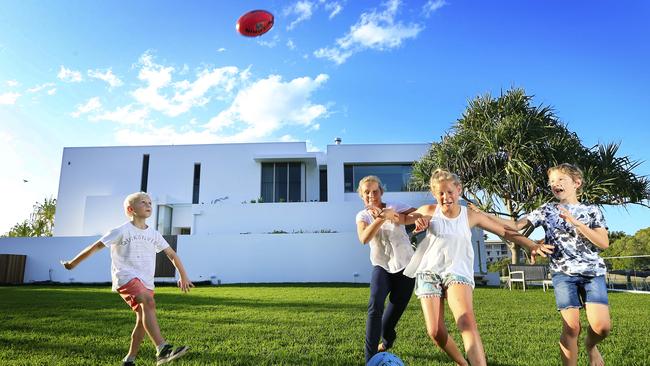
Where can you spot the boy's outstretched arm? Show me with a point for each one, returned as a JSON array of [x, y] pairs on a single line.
[[534, 247], [184, 282], [85, 253]]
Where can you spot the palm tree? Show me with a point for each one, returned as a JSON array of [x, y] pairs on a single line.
[[501, 148]]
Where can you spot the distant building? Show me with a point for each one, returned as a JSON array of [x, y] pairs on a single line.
[[496, 250]]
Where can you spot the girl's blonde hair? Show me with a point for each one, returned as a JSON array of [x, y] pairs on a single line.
[[440, 175], [369, 178], [131, 199], [571, 170]]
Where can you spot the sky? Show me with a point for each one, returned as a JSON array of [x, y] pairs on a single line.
[[107, 73]]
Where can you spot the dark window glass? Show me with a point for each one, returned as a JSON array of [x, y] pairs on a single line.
[[394, 177], [348, 178], [267, 182], [197, 183], [323, 185], [281, 182], [145, 173], [295, 173]]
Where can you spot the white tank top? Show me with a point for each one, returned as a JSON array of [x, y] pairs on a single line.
[[446, 248]]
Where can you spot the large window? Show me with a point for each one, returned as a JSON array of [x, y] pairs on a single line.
[[282, 182], [395, 177]]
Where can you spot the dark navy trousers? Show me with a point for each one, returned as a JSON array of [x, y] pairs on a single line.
[[381, 324]]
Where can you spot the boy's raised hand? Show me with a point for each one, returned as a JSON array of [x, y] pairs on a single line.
[[541, 249], [67, 264], [566, 215]]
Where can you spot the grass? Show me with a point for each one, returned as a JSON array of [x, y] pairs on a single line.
[[288, 325]]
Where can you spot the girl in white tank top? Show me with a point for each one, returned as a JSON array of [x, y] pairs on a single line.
[[443, 266]]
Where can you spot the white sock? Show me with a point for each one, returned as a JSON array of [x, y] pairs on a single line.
[[129, 359], [160, 347]]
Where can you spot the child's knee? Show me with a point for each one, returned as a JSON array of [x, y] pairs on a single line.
[[438, 335], [602, 328], [147, 301], [571, 329], [466, 322]]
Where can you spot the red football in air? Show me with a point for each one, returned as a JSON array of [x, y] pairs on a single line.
[[255, 23]]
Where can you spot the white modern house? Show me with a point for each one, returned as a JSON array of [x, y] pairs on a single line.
[[250, 212]]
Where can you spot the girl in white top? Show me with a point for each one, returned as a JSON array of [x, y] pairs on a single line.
[[443, 266], [380, 226]]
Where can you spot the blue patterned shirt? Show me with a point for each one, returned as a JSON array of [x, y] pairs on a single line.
[[573, 253]]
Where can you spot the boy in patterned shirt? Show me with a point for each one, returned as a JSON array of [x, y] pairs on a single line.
[[133, 260], [578, 233]]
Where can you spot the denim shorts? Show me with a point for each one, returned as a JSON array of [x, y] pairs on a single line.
[[429, 284], [575, 291]]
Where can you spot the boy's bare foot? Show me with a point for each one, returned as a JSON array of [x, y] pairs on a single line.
[[595, 358]]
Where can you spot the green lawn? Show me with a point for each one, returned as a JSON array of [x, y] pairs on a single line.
[[288, 325]]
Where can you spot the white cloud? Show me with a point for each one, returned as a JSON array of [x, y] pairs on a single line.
[[166, 135], [51, 91], [69, 76], [302, 9], [431, 6], [269, 43], [106, 76], [93, 104], [128, 115], [222, 49], [374, 30], [38, 88], [9, 98], [12, 83], [334, 8], [291, 45], [174, 99], [268, 105]]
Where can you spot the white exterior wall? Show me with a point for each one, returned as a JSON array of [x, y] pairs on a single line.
[[95, 180], [339, 155], [231, 258]]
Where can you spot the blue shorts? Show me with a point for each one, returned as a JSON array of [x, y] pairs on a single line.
[[429, 284], [575, 291]]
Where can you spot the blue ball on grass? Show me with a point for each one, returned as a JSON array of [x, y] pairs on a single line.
[[385, 359]]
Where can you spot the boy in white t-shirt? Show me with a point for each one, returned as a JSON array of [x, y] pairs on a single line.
[[133, 261]]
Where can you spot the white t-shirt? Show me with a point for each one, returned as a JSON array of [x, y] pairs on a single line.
[[390, 248], [133, 253]]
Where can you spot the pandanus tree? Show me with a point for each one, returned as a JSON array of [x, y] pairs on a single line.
[[40, 222], [501, 148]]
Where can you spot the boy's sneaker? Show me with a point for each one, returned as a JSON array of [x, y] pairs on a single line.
[[169, 353], [128, 363]]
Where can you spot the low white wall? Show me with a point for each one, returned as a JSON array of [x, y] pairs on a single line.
[[235, 258], [259, 218], [232, 258], [44, 254]]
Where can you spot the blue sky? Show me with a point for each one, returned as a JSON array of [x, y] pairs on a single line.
[[91, 73]]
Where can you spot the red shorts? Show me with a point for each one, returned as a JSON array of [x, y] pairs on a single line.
[[132, 289]]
